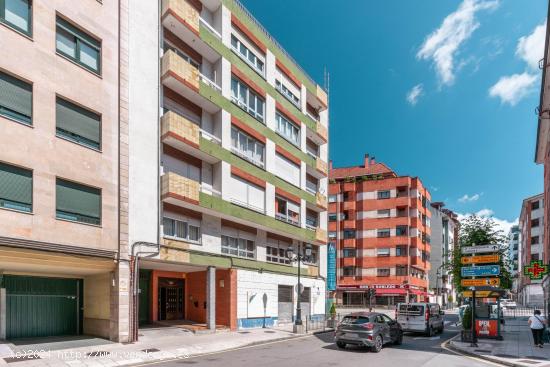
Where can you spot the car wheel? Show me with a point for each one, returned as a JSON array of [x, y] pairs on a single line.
[[378, 343], [399, 339], [442, 329], [341, 345], [430, 331]]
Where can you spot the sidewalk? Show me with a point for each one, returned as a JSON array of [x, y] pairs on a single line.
[[154, 345], [516, 348]]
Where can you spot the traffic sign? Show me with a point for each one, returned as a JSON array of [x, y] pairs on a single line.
[[479, 249], [480, 271], [479, 294], [495, 282], [480, 259]]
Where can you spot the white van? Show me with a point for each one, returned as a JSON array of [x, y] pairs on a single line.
[[420, 317]]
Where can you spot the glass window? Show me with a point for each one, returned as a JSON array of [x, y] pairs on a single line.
[[535, 222], [247, 99], [247, 55], [247, 147], [17, 14], [287, 211], [77, 124], [238, 247], [287, 129], [15, 99], [383, 252], [349, 252], [401, 250], [401, 270], [383, 213], [384, 194], [332, 217], [276, 252], [287, 93], [383, 272], [534, 240], [349, 233], [349, 271], [332, 198], [401, 230], [15, 188], [77, 202], [78, 45], [383, 232], [535, 205], [331, 234]]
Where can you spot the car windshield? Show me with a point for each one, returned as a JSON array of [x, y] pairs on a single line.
[[412, 310], [355, 320]]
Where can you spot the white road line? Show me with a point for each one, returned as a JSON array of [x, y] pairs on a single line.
[[427, 338]]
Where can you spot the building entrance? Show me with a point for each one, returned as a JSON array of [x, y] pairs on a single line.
[[171, 298]]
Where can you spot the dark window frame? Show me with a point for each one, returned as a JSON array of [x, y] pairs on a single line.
[[73, 137], [59, 216], [13, 26], [31, 206], [14, 115]]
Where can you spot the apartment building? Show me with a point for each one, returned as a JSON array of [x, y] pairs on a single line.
[[444, 227], [513, 256], [63, 267], [380, 223], [531, 221], [241, 140]]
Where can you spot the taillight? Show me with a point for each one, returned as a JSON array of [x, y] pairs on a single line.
[[427, 314], [368, 326]]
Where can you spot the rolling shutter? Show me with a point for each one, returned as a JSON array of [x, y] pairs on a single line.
[[256, 197], [78, 199], [76, 120], [287, 170], [15, 96], [15, 184]]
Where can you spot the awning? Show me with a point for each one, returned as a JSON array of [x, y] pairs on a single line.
[[390, 291]]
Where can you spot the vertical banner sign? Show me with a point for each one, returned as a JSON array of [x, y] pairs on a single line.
[[331, 266]]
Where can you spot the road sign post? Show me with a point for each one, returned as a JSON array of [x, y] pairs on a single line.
[[480, 259]]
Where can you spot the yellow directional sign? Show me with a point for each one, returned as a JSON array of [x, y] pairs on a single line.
[[480, 259], [479, 294], [495, 282]]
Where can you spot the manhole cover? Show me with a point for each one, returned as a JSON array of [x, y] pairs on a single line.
[[150, 350], [21, 358], [98, 353]]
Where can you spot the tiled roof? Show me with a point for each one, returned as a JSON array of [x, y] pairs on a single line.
[[372, 169]]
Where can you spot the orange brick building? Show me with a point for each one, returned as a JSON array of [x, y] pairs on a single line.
[[380, 223]]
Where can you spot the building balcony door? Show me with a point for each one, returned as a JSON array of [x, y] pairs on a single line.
[[171, 299]]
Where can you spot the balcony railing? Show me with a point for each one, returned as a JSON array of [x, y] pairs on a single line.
[[322, 131], [321, 235], [287, 218], [173, 63], [205, 134], [176, 124], [210, 82], [247, 205], [210, 28], [172, 183], [183, 10], [321, 166], [321, 200]]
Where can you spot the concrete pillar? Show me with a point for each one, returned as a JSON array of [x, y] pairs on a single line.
[[3, 313], [211, 298], [120, 303]]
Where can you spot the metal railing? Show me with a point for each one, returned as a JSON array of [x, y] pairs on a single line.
[[210, 83], [210, 28], [211, 137]]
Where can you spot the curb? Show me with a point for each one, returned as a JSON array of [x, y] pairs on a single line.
[[449, 345]]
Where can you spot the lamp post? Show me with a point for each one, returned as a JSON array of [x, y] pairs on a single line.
[[298, 257]]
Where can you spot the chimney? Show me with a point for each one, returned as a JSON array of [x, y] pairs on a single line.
[[330, 165], [372, 161], [366, 161]]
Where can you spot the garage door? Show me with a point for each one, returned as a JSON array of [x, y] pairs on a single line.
[[285, 304], [38, 306]]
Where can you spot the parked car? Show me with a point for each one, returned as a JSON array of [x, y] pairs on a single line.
[[508, 304], [420, 317], [369, 329]]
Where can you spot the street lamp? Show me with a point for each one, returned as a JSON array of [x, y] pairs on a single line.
[[298, 257]]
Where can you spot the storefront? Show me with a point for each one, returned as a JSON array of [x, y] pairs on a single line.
[[386, 295]]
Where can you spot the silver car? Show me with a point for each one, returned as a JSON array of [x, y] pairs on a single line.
[[369, 329]]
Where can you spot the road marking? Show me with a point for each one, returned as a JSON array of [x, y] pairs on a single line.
[[443, 346], [427, 338]]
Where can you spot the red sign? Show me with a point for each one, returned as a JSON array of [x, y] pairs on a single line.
[[487, 328]]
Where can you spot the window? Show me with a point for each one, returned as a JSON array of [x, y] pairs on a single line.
[[275, 252], [384, 194], [383, 232], [17, 14], [313, 258], [311, 185], [248, 56], [535, 205], [311, 219], [287, 93], [287, 129], [331, 234], [287, 211], [349, 233], [384, 213], [401, 270], [401, 230], [181, 230], [238, 247], [401, 250], [332, 217], [535, 257], [77, 202], [247, 147], [349, 271], [383, 252], [534, 240], [287, 170], [349, 252], [78, 46], [425, 256], [332, 198], [535, 222], [246, 99], [15, 188], [246, 194], [15, 99], [77, 124], [383, 272]]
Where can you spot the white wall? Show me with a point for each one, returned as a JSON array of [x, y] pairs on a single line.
[[144, 121]]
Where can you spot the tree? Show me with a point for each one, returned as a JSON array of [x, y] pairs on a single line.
[[475, 230]]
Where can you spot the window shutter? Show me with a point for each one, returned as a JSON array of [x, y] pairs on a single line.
[[15, 95], [78, 199], [77, 120], [256, 196], [287, 170], [15, 184]]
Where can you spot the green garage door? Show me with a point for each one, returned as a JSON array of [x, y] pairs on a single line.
[[42, 306]]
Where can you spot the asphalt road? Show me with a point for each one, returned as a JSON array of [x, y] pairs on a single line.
[[320, 350]]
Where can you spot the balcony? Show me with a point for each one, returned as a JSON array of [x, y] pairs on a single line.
[[321, 200], [321, 166], [348, 261], [321, 235], [350, 242], [185, 79], [349, 205], [177, 189], [182, 12]]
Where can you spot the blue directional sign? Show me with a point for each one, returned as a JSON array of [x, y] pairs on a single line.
[[331, 266], [480, 271]]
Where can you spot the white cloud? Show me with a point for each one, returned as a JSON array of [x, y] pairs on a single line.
[[415, 93], [531, 48], [502, 224], [443, 44], [512, 88], [485, 213], [467, 198]]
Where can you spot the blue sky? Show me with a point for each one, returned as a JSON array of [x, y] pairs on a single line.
[[468, 129]]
